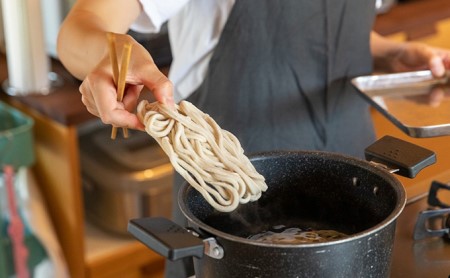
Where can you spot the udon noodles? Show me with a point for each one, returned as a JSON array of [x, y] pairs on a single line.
[[297, 236], [209, 158]]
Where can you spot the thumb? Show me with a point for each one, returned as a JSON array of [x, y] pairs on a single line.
[[436, 66], [160, 86]]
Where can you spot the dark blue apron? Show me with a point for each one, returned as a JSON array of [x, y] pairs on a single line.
[[279, 78]]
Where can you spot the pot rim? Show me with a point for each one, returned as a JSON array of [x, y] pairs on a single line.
[[392, 217]]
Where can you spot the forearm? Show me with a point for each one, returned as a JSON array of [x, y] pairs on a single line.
[[383, 51], [82, 39], [73, 39]]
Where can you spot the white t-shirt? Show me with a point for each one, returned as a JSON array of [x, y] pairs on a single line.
[[194, 31]]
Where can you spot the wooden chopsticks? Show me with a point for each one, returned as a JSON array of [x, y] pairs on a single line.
[[119, 76]]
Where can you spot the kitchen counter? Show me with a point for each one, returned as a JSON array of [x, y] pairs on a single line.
[[63, 104], [417, 18]]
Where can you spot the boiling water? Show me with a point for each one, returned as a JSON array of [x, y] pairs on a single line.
[[284, 235]]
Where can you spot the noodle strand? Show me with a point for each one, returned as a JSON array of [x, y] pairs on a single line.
[[209, 158]]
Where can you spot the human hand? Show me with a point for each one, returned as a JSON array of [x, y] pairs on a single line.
[[411, 56], [99, 93]]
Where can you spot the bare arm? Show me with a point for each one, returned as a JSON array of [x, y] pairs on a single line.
[[81, 41], [83, 50], [391, 56]]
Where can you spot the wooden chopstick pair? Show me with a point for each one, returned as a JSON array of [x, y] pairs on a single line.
[[119, 76]]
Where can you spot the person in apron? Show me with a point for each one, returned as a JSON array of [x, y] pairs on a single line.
[[278, 78]]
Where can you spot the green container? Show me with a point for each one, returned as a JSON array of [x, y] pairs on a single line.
[[16, 137]]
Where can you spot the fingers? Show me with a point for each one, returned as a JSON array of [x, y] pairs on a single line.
[[123, 118], [436, 66], [131, 97], [144, 71], [420, 56], [164, 91], [130, 100], [160, 86], [99, 95], [437, 59]]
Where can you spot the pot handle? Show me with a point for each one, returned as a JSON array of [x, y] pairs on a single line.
[[406, 158], [166, 238]]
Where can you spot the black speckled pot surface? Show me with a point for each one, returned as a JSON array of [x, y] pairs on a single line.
[[316, 190]]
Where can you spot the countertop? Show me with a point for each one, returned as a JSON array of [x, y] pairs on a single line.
[[416, 18], [63, 103]]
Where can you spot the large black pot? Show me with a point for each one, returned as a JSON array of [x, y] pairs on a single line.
[[317, 190]]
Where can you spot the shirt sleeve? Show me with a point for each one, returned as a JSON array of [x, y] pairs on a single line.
[[155, 13]]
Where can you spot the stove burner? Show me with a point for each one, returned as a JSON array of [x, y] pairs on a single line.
[[434, 222], [433, 199], [428, 218]]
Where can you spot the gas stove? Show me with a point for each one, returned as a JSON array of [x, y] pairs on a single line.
[[422, 240]]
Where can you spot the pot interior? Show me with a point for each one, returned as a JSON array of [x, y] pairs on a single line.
[[307, 190]]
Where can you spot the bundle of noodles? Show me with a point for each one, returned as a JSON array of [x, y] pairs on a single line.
[[209, 158]]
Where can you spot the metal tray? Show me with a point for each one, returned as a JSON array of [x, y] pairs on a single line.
[[415, 102]]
